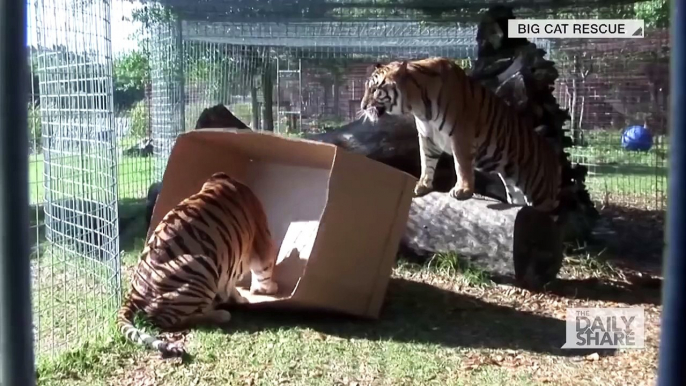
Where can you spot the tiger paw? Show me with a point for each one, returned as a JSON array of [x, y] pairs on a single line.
[[237, 298], [421, 189], [220, 317], [460, 193], [267, 288], [171, 350]]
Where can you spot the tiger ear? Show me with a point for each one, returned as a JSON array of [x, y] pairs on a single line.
[[372, 68], [402, 70]]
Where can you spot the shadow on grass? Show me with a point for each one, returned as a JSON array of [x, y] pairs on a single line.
[[608, 290], [645, 290], [638, 238], [599, 289], [421, 313], [629, 170], [131, 223]]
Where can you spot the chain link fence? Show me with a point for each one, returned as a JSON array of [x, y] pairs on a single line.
[[73, 164]]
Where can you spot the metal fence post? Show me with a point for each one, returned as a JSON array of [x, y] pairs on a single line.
[[672, 361], [16, 339]]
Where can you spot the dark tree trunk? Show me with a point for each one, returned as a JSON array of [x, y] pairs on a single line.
[[268, 98]]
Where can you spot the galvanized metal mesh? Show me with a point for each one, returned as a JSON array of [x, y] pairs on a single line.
[[75, 259], [234, 63], [259, 11], [132, 109], [167, 96], [299, 66], [610, 85]]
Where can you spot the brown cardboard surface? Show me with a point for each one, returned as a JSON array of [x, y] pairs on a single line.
[[338, 217]]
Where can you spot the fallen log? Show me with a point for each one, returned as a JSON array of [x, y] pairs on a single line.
[[501, 239], [215, 117], [218, 117], [393, 141]]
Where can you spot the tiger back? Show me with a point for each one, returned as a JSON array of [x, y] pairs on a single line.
[[457, 115], [193, 259]]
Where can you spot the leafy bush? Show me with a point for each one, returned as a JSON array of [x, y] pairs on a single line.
[[131, 72], [140, 120]]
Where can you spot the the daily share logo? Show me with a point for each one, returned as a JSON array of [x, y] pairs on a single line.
[[613, 328]]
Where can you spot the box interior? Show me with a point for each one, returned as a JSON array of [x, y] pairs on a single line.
[[294, 198], [291, 178]]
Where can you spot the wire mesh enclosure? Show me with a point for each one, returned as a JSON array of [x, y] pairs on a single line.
[[617, 94], [288, 78], [73, 166], [299, 66]]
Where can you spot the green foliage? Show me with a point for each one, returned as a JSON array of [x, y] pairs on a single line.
[[152, 14], [655, 13], [131, 73], [140, 120]]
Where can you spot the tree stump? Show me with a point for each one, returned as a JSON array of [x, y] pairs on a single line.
[[507, 241]]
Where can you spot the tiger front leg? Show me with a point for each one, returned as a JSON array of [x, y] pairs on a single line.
[[428, 156], [262, 264], [228, 295], [464, 168], [236, 296]]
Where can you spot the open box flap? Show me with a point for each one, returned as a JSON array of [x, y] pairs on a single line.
[[357, 220], [359, 234], [196, 155]]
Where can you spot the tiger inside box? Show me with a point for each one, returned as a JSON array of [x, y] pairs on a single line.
[[336, 217]]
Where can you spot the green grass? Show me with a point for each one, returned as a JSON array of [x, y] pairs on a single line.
[[72, 297], [444, 323], [620, 176], [416, 342], [72, 174], [451, 264]]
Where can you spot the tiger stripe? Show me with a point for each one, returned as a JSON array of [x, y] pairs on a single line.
[[193, 259], [457, 115]]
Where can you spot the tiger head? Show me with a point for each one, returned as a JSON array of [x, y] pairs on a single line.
[[382, 91], [218, 178]]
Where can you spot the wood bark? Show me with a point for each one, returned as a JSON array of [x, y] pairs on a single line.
[[503, 240]]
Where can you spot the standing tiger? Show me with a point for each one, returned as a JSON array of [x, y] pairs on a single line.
[[457, 115], [193, 259]]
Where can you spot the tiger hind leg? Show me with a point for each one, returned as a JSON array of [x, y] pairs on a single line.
[[262, 264], [515, 196], [198, 309], [212, 316]]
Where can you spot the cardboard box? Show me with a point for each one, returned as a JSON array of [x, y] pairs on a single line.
[[337, 216]]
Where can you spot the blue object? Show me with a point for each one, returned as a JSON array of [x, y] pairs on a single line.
[[672, 356], [637, 138]]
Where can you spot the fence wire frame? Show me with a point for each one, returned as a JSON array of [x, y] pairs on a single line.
[[222, 62], [75, 259], [294, 11], [167, 99], [132, 124], [611, 85], [302, 94]]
